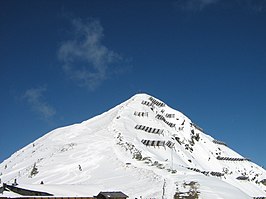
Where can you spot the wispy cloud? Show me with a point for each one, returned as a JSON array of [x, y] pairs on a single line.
[[86, 60], [254, 5], [199, 5], [194, 5], [35, 99]]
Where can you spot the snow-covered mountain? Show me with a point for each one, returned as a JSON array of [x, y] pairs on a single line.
[[141, 147]]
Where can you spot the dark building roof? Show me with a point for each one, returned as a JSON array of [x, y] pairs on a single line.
[[117, 194], [24, 192]]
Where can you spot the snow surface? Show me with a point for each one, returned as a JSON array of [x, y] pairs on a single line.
[[107, 153]]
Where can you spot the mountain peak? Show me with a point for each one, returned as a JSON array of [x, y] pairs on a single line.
[[141, 147]]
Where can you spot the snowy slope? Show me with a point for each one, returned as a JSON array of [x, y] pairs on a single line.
[[141, 147]]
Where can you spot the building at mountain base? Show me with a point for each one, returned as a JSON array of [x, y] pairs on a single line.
[[22, 193], [111, 195]]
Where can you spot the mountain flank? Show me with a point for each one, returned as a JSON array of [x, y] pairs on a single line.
[[142, 147]]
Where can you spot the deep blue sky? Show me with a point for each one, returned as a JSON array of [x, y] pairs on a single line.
[[62, 62]]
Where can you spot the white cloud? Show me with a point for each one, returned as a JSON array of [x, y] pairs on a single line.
[[85, 59], [194, 5], [255, 5], [34, 97], [199, 5]]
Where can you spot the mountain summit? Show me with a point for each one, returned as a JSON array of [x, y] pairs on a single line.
[[142, 147]]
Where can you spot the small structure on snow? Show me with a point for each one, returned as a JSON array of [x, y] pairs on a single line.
[[242, 178]]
